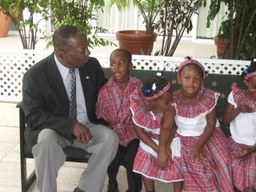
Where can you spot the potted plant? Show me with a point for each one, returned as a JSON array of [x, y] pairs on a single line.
[[221, 40], [5, 23], [80, 13], [131, 39], [27, 26], [237, 27], [174, 20]]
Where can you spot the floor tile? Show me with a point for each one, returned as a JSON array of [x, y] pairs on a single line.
[[9, 134], [10, 189], [13, 155], [9, 115], [5, 148], [10, 174]]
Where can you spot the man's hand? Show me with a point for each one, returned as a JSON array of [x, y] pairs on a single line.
[[123, 142], [82, 133]]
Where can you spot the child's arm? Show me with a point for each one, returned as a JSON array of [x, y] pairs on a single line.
[[197, 150], [167, 133], [231, 112], [145, 138]]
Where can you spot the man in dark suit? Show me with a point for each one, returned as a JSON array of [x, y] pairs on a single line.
[[46, 102]]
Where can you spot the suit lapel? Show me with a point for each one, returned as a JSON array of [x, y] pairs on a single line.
[[85, 77], [57, 84]]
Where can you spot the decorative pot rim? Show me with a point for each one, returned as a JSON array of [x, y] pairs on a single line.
[[220, 40], [135, 34]]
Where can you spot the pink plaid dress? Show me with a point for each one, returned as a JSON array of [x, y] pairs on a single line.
[[213, 174], [145, 162], [113, 105], [243, 135]]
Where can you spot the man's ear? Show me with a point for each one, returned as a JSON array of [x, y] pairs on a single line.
[[62, 55]]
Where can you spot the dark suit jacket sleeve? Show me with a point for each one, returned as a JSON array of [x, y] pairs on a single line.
[[45, 101]]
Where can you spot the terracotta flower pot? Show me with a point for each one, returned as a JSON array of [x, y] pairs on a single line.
[[5, 23], [221, 45], [136, 41]]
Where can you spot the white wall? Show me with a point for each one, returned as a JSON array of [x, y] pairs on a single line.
[[113, 20]]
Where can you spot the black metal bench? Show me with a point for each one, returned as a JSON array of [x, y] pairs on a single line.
[[73, 154]]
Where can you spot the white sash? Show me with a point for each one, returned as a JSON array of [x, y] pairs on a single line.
[[175, 147]]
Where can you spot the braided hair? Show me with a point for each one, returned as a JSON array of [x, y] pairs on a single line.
[[250, 69], [154, 85]]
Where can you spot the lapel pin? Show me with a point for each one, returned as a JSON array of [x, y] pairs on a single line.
[[87, 77]]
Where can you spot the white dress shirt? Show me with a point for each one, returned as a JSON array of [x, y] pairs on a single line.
[[80, 102]]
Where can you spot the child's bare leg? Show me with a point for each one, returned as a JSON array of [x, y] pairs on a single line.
[[149, 184], [177, 186]]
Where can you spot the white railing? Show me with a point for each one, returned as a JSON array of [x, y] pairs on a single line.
[[15, 62]]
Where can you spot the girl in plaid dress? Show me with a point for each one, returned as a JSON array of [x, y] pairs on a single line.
[[241, 114], [205, 156], [156, 95], [113, 106]]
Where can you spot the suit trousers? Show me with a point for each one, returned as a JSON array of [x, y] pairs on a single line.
[[49, 157], [125, 157]]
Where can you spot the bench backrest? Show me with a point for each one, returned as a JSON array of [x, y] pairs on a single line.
[[217, 82]]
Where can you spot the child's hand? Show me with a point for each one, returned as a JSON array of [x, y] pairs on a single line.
[[123, 142], [197, 152], [244, 108], [244, 152], [164, 159]]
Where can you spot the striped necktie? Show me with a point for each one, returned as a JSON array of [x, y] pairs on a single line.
[[72, 99]]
